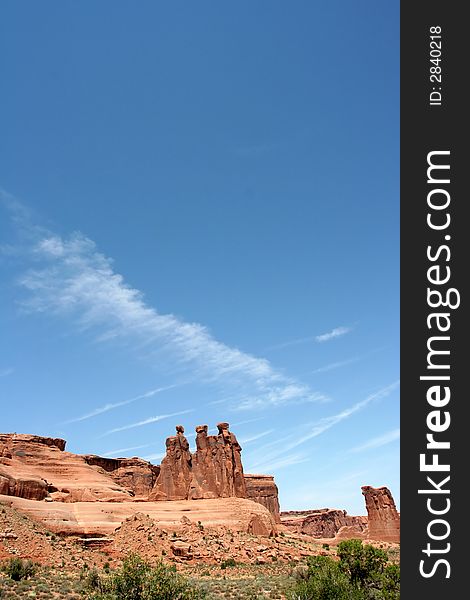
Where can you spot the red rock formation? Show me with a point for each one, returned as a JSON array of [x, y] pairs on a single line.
[[102, 518], [258, 526], [322, 523], [32, 489], [39, 468], [217, 470], [9, 443], [135, 475], [262, 489], [36, 467], [384, 520], [174, 479]]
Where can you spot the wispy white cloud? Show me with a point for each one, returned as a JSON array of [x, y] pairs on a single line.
[[334, 333], [336, 365], [328, 422], [270, 466], [121, 451], [6, 372], [296, 342], [146, 422], [72, 278], [273, 450], [377, 442], [255, 437], [291, 393], [110, 406]]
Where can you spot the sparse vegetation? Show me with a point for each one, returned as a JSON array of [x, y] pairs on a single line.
[[138, 580], [233, 565], [229, 562], [362, 573], [18, 569]]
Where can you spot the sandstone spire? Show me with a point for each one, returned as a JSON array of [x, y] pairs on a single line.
[[175, 470], [383, 518]]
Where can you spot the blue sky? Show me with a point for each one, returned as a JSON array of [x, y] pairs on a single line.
[[199, 222]]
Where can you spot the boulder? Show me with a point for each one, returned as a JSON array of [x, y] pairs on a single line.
[[258, 526]]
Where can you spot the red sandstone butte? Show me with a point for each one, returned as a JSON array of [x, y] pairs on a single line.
[[384, 520], [262, 489], [38, 468]]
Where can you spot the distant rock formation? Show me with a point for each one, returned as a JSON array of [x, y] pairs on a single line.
[[324, 522], [384, 520], [262, 489]]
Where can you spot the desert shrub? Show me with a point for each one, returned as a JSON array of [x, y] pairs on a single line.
[[18, 569], [229, 562], [324, 580], [138, 580], [362, 573], [92, 580], [361, 563], [368, 568]]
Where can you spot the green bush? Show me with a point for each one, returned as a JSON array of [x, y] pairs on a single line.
[[138, 580], [325, 581], [18, 569], [362, 573], [361, 563], [229, 562]]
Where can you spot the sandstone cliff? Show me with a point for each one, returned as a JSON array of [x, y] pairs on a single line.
[[39, 468], [262, 489]]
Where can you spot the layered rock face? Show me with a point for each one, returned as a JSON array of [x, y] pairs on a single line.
[[384, 520], [324, 522], [38, 468], [135, 475], [102, 518], [262, 489]]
